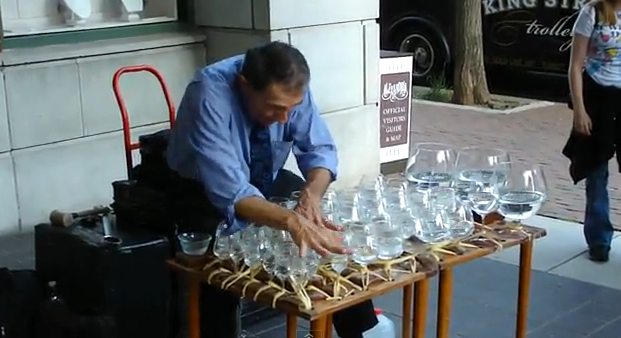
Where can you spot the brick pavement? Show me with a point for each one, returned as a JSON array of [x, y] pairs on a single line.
[[537, 135]]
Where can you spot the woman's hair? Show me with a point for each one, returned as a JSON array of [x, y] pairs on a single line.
[[606, 12]]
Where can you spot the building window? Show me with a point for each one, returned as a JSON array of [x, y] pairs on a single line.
[[32, 17]]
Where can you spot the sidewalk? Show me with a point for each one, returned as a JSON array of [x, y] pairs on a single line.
[[536, 136]]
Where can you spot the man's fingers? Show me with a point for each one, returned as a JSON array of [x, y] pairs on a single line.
[[320, 249], [303, 249], [331, 226]]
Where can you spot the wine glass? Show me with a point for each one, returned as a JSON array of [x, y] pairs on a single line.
[[350, 208], [441, 198], [284, 202], [338, 262], [430, 224], [396, 204], [460, 221], [251, 242], [389, 238], [431, 165], [227, 247], [523, 192], [361, 239], [476, 167]]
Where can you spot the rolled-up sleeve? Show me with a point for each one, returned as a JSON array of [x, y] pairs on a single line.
[[217, 163], [313, 145]]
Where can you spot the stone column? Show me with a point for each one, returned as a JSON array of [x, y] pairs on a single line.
[[340, 40]]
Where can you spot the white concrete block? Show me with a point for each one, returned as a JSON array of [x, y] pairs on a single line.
[[279, 14], [69, 175], [335, 54], [371, 61], [142, 93], [9, 10], [5, 140], [43, 103], [280, 35], [223, 13], [36, 8], [223, 43], [9, 222], [357, 144]]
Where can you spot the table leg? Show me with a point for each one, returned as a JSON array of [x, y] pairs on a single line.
[[407, 312], [194, 285], [421, 297], [318, 327], [328, 327], [526, 260], [444, 303], [292, 326]]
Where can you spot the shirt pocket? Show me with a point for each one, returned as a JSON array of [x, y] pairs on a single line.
[[280, 153]]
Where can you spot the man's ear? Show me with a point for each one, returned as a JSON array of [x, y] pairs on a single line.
[[241, 80]]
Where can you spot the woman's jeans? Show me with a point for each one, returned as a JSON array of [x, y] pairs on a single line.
[[598, 229]]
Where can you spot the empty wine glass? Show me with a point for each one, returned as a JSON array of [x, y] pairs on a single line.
[[431, 165], [523, 193]]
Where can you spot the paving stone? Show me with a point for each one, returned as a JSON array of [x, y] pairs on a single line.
[[611, 330], [535, 136]]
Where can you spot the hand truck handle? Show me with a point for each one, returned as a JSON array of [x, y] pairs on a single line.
[[116, 86]]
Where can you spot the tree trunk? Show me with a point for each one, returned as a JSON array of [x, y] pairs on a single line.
[[470, 82]]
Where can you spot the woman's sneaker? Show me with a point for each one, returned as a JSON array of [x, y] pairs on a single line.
[[599, 253]]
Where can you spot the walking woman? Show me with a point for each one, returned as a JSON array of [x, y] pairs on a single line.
[[595, 83]]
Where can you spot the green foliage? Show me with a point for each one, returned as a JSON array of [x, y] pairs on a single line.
[[439, 90]]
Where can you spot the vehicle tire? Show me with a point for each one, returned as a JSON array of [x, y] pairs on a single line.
[[427, 49]]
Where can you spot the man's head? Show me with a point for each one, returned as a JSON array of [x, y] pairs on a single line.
[[273, 79]]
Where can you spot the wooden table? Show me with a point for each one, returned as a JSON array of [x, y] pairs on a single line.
[[320, 315], [523, 237]]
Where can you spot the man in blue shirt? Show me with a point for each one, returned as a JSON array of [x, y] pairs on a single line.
[[237, 123]]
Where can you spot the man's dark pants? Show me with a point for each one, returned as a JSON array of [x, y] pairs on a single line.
[[220, 309]]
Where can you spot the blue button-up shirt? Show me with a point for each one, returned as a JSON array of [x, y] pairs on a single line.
[[210, 139]]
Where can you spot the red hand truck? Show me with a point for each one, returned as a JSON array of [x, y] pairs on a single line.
[[116, 86]]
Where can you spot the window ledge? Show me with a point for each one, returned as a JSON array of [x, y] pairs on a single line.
[[20, 56]]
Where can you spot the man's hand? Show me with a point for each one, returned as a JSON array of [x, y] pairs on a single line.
[[309, 206], [308, 235]]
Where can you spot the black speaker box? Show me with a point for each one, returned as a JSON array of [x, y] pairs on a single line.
[[128, 281]]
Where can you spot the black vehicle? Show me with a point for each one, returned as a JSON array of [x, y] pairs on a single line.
[[519, 35]]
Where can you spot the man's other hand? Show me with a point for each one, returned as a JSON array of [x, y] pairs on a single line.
[[309, 206], [309, 235]]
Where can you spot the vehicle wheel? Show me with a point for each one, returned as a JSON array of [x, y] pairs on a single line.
[[427, 50]]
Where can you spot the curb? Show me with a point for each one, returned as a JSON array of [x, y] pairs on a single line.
[[526, 107]]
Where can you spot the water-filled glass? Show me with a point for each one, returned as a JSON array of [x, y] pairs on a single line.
[[523, 193], [389, 239], [431, 165]]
